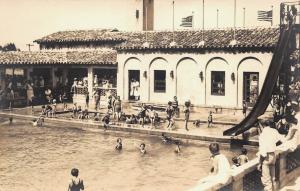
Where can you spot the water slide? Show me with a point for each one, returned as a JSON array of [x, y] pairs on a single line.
[[264, 97]]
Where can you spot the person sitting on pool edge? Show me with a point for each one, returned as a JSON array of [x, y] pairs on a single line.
[[143, 148], [76, 183], [119, 144], [220, 171]]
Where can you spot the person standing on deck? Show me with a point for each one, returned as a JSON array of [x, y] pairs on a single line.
[[97, 99], [142, 114], [10, 97], [136, 90], [132, 88], [175, 105], [186, 111], [268, 140], [29, 92], [87, 97], [170, 116], [118, 107], [210, 120]]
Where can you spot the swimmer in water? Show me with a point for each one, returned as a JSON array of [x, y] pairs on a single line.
[[165, 139], [119, 144], [143, 148], [177, 150], [38, 122], [10, 120]]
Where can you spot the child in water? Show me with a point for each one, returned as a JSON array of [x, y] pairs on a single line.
[[10, 120], [243, 158], [76, 184], [105, 121], [143, 148], [119, 144], [177, 150], [235, 162]]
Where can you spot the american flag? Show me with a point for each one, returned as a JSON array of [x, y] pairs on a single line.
[[265, 15], [187, 21]]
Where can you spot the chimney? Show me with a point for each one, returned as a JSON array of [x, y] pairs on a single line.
[[148, 15]]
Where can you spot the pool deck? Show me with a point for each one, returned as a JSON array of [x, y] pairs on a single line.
[[222, 121]]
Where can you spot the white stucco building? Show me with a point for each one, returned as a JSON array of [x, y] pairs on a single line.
[[165, 64], [213, 74]]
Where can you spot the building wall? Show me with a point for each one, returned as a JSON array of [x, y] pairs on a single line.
[[187, 83]]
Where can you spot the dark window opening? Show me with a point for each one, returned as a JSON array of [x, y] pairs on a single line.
[[159, 81], [217, 83]]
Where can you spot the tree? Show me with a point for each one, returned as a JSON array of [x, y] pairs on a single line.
[[9, 47]]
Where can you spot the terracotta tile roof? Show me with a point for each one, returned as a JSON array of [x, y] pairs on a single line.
[[214, 39], [71, 57], [82, 36]]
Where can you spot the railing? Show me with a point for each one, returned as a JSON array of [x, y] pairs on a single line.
[[247, 177], [103, 91]]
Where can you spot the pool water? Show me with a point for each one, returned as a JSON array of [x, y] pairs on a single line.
[[34, 158]]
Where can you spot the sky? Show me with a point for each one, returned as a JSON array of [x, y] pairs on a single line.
[[23, 21]]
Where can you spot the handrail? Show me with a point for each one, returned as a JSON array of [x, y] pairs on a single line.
[[240, 172]]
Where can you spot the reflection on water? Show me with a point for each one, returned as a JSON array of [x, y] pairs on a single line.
[[41, 159]]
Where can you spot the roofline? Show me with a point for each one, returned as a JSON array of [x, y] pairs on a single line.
[[229, 48], [39, 41], [54, 63]]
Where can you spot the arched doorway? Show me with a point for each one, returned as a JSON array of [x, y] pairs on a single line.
[[188, 81], [132, 77], [250, 80]]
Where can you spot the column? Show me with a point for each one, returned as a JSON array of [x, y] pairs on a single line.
[[64, 76], [90, 81], [53, 77], [29, 70]]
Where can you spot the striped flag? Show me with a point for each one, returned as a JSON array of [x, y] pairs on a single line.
[[187, 21], [265, 16]]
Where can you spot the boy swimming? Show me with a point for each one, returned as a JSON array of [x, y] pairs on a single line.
[[106, 120], [243, 158], [76, 184], [143, 148], [119, 144]]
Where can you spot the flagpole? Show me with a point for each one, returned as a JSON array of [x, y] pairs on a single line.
[[193, 20], [244, 14], [173, 28], [272, 15], [146, 20], [217, 18], [234, 23], [203, 20]]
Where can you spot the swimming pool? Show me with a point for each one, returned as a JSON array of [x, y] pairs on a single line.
[[34, 158]]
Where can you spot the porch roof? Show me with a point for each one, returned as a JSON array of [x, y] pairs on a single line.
[[52, 57]]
